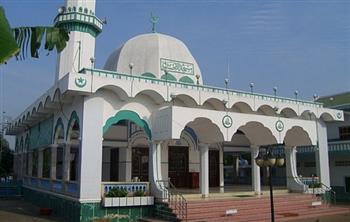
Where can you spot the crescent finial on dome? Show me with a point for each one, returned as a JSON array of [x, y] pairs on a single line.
[[154, 20]]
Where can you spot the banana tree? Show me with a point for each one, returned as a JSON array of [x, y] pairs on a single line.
[[17, 41]]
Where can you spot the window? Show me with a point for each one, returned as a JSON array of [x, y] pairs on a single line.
[[310, 164], [344, 133], [35, 163], [342, 163], [347, 184], [46, 163], [59, 163]]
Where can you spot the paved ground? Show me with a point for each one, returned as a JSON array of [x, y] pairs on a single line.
[[338, 218], [17, 210], [20, 211]]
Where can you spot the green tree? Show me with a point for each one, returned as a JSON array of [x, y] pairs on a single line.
[[6, 158], [17, 41]]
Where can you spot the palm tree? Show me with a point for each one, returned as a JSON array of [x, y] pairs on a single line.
[[17, 41]]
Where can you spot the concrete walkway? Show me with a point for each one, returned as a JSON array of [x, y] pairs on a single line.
[[17, 210]]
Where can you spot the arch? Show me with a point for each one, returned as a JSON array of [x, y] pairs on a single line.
[[186, 100], [206, 130], [325, 116], [128, 115], [297, 136], [240, 139], [214, 103], [149, 75], [308, 115], [33, 111], [266, 110], [242, 107], [74, 119], [59, 130], [168, 77], [57, 95], [120, 92], [186, 79], [47, 101], [188, 132], [288, 113], [258, 134], [40, 107], [152, 95]]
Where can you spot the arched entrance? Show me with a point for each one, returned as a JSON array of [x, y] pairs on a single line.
[[125, 155]]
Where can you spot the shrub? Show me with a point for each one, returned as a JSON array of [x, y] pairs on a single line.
[[139, 193], [117, 192]]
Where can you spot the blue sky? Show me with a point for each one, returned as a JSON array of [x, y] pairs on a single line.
[[294, 45]]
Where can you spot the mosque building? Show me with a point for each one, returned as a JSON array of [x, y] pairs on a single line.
[[147, 117]]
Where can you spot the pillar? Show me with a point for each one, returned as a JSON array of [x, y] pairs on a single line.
[[204, 170], [293, 182], [53, 161], [40, 163], [322, 161], [256, 184], [154, 170], [221, 168], [90, 159], [66, 162]]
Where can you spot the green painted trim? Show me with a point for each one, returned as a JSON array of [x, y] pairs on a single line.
[[59, 123], [131, 116], [186, 79], [74, 211], [79, 21], [148, 74], [73, 117], [168, 77]]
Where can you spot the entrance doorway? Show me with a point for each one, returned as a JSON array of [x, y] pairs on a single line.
[[178, 165], [114, 167], [140, 163], [214, 168]]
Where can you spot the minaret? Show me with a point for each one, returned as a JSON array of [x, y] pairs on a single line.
[[78, 17]]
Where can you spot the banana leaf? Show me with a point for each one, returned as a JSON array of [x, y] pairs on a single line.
[[8, 45], [16, 41]]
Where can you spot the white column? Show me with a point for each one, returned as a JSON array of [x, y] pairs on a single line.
[[322, 161], [221, 167], [293, 182], [90, 161], [53, 161], [256, 185], [40, 163], [154, 170], [66, 162], [204, 173]]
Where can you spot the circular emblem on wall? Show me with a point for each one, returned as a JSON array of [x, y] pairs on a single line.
[[339, 115], [279, 126], [227, 121], [80, 82]]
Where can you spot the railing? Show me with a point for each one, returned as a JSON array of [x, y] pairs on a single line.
[[115, 75], [174, 199], [130, 187], [317, 188]]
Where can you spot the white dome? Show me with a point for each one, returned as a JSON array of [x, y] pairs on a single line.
[[153, 54]]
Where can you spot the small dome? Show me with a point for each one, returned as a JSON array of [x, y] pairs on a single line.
[[152, 55]]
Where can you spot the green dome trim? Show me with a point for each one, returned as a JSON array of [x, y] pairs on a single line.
[[186, 79], [148, 74], [169, 77]]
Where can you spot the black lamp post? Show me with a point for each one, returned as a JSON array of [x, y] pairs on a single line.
[[269, 160]]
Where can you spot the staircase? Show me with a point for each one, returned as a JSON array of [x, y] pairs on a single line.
[[253, 209]]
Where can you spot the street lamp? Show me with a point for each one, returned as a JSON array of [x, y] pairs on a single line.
[[269, 160]]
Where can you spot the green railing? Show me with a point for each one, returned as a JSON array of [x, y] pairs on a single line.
[[203, 88]]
